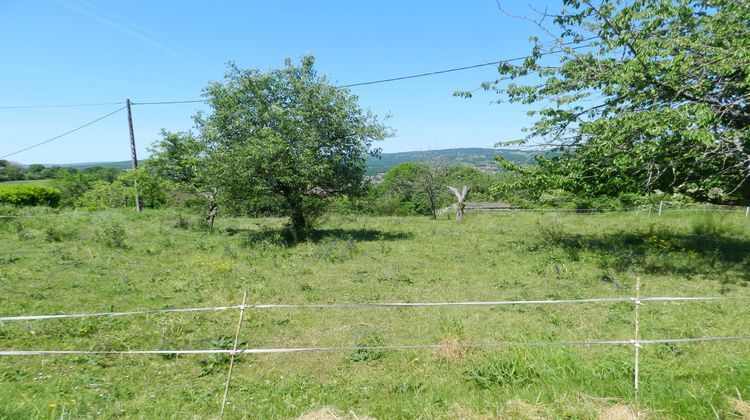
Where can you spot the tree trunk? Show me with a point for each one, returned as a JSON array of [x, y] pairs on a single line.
[[460, 212], [213, 208], [461, 197], [298, 220]]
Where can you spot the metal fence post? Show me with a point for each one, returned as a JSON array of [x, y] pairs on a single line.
[[637, 344]]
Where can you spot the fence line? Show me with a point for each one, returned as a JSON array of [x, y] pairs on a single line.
[[371, 305], [636, 342], [360, 348], [148, 312], [592, 211]]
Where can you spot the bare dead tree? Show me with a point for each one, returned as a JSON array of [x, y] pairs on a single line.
[[461, 197], [213, 206], [432, 180]]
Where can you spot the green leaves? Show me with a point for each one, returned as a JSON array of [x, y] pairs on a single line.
[[287, 134], [645, 95], [29, 195]]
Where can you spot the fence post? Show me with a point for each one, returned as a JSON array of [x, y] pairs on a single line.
[[234, 352], [747, 211], [637, 344], [661, 203]]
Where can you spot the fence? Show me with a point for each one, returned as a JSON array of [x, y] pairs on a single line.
[[660, 209], [636, 341]]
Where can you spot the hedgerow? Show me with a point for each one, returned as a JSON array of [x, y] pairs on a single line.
[[29, 195]]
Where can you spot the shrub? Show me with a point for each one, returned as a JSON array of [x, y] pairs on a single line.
[[103, 195], [113, 236], [557, 198], [29, 195]]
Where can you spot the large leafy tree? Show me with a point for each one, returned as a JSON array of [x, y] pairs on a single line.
[[287, 134], [639, 95]]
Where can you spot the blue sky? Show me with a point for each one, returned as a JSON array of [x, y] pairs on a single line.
[[75, 51]]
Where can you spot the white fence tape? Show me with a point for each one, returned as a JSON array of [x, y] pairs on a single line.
[[363, 348], [156, 311], [368, 305]]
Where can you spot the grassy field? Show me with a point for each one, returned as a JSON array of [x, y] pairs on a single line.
[[42, 182], [121, 261]]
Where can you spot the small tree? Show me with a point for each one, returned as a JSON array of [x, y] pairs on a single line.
[[182, 159], [417, 183], [287, 134]]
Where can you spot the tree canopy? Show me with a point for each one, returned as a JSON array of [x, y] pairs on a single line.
[[639, 96], [287, 134]]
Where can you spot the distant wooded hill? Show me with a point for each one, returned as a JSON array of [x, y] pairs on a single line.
[[481, 158], [478, 157]]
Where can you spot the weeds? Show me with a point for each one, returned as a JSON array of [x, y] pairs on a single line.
[[113, 236], [710, 224], [510, 369], [367, 354], [552, 230]]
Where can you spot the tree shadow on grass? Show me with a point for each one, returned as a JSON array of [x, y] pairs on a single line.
[[287, 237], [666, 252]]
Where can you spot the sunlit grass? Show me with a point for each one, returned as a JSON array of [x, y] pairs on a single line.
[[120, 261]]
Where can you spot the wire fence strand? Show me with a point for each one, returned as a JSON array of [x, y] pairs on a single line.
[[9, 353], [371, 305]]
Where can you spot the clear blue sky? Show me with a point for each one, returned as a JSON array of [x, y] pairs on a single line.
[[76, 51]]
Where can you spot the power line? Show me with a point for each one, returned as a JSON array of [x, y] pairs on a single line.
[[193, 101], [432, 73], [61, 105], [372, 82], [63, 134]]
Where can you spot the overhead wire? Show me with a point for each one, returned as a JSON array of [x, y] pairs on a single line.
[[63, 134], [372, 82], [61, 105]]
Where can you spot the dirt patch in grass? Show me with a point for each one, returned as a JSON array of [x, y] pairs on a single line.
[[617, 412], [330, 413], [740, 407], [447, 349]]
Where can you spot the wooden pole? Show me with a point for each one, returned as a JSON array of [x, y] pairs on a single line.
[[661, 203], [747, 212], [134, 157]]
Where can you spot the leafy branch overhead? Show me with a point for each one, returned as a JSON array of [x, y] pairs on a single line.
[[639, 96]]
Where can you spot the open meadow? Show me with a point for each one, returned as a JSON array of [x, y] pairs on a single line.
[[123, 261]]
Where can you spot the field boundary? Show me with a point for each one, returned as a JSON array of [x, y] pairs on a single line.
[[648, 209], [636, 341]]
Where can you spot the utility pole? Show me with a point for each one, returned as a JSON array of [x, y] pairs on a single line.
[[134, 157]]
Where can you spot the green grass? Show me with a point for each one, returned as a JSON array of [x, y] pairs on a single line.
[[120, 261], [42, 182]]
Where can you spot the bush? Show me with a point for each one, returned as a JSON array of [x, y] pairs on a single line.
[[29, 195], [113, 236], [557, 198], [103, 195]]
